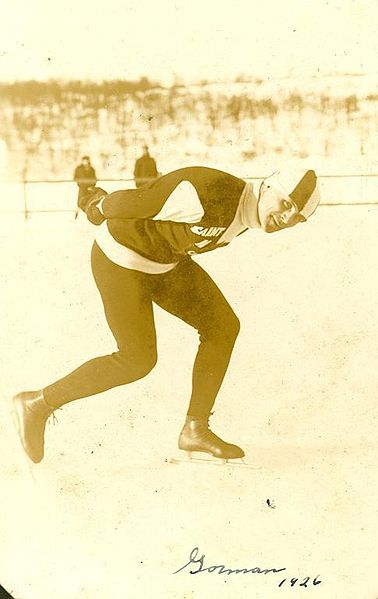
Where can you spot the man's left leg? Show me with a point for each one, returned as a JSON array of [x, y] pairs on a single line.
[[189, 293]]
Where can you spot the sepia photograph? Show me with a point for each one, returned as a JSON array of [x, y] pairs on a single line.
[[189, 208]]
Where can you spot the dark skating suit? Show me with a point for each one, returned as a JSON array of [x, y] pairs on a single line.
[[189, 211]]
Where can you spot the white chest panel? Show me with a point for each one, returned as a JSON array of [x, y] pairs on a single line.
[[182, 206]]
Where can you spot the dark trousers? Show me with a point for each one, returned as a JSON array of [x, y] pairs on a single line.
[[187, 292]]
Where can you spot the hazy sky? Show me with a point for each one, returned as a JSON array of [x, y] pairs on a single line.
[[193, 39]]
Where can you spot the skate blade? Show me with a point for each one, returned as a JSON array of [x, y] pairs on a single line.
[[189, 459]]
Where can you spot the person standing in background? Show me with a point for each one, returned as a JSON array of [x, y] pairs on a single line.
[[145, 170], [85, 177]]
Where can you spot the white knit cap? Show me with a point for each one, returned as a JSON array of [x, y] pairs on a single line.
[[300, 185]]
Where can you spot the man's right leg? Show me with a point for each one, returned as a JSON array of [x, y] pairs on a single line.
[[129, 313]]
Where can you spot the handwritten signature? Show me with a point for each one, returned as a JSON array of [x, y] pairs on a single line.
[[221, 569], [197, 566]]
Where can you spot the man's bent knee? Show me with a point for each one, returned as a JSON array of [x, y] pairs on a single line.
[[134, 367], [225, 330], [143, 366], [232, 327]]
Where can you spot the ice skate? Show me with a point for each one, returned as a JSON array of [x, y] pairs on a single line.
[[31, 412], [197, 438]]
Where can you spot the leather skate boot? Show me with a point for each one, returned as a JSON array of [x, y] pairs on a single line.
[[31, 413], [197, 436]]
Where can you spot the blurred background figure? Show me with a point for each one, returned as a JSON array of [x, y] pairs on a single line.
[[85, 177], [145, 169]]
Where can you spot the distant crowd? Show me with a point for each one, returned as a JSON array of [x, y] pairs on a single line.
[[145, 171]]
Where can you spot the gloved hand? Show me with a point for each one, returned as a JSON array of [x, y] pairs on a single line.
[[90, 201]]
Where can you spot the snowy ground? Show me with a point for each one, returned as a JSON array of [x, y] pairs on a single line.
[[105, 515]]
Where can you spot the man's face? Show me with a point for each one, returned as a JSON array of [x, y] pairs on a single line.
[[277, 210], [85, 162]]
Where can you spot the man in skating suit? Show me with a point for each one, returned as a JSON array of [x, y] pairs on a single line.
[[142, 255]]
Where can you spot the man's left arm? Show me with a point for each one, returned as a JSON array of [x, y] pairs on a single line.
[[127, 204]]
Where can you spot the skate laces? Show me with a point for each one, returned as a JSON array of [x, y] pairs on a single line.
[[54, 420], [208, 433], [207, 422], [51, 418], [52, 415]]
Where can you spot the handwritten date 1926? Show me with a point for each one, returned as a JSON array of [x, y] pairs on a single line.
[[305, 582]]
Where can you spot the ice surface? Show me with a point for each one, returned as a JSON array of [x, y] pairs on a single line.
[[104, 515]]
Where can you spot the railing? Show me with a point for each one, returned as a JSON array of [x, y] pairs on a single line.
[[28, 208]]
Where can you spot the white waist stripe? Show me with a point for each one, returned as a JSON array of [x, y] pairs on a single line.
[[125, 257]]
